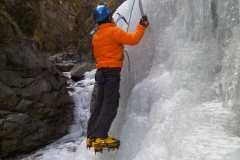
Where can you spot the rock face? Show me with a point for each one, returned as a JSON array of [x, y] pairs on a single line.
[[65, 25], [35, 107], [57, 20]]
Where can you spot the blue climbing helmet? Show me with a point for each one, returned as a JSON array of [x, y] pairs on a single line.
[[101, 13]]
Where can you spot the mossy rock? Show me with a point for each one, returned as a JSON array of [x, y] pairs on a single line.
[[24, 13], [44, 41]]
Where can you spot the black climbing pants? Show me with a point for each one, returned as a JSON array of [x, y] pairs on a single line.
[[107, 102]]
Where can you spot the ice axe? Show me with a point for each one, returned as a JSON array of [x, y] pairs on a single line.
[[120, 17], [141, 8]]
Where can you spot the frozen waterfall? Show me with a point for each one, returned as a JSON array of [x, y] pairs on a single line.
[[180, 98]]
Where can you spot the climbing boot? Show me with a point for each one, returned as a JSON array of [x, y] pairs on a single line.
[[109, 143], [89, 141]]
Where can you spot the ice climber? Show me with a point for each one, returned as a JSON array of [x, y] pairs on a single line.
[[108, 48]]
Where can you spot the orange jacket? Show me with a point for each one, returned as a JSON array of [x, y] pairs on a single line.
[[108, 44]]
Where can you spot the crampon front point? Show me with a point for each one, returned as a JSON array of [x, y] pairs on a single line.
[[99, 147]]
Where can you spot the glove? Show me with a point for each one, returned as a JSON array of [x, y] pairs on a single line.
[[144, 21]]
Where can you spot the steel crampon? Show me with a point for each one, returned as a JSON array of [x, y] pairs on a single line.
[[104, 146]]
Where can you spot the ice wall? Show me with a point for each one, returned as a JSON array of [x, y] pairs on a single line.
[[180, 99]]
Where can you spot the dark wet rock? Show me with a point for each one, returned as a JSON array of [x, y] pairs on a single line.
[[64, 67], [77, 72], [35, 106]]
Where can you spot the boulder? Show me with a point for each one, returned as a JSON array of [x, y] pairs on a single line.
[[64, 67], [77, 72]]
